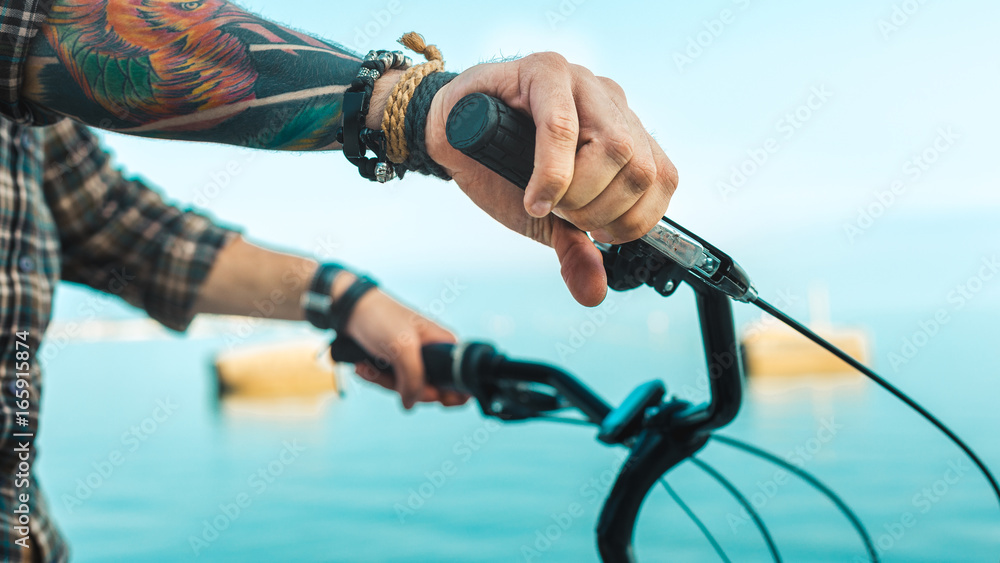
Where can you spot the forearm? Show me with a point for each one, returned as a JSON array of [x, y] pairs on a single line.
[[249, 280], [204, 71]]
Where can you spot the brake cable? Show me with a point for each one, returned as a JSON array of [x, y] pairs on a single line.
[[501, 138], [803, 330]]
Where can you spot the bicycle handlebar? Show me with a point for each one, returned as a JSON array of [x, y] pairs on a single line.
[[502, 139], [659, 434], [501, 385], [437, 360]]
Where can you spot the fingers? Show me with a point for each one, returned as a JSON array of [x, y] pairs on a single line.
[[616, 161], [407, 374], [582, 265], [396, 334], [606, 143], [650, 207], [409, 370], [453, 399], [600, 216], [431, 333], [595, 164], [411, 382], [387, 381], [369, 373], [598, 162], [637, 221], [553, 109], [620, 194]]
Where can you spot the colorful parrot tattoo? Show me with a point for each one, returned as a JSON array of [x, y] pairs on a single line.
[[178, 66]]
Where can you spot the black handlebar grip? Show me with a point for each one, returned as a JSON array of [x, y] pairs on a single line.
[[437, 358], [439, 362], [495, 135]]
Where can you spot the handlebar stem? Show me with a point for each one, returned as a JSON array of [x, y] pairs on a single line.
[[679, 429], [654, 453], [724, 364]]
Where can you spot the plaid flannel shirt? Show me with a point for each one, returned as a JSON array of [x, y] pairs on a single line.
[[67, 213]]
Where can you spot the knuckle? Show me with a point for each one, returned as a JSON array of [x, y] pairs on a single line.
[[612, 86], [641, 174], [555, 181], [619, 146], [563, 128], [580, 71], [671, 178], [551, 59]]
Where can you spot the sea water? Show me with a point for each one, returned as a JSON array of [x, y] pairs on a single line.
[[141, 463]]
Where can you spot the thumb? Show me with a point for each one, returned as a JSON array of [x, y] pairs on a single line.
[[582, 264]]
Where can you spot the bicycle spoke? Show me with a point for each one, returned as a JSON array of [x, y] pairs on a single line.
[[694, 518], [729, 486], [808, 478]]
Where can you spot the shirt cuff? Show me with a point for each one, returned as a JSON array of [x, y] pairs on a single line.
[[182, 268]]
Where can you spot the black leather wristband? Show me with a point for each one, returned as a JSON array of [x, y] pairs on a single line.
[[316, 302], [343, 307]]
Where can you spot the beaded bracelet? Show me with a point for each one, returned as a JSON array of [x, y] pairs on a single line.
[[400, 145], [357, 139]]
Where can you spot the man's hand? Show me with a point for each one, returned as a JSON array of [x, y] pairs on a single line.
[[597, 170], [244, 275], [395, 334]]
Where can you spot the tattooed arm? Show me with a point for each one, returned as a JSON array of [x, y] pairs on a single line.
[[206, 70], [201, 70]]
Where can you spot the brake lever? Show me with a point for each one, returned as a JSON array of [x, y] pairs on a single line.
[[514, 401], [503, 139]]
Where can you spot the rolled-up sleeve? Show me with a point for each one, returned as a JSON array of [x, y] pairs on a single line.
[[118, 236]]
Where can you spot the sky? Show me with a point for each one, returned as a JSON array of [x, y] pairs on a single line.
[[827, 107]]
